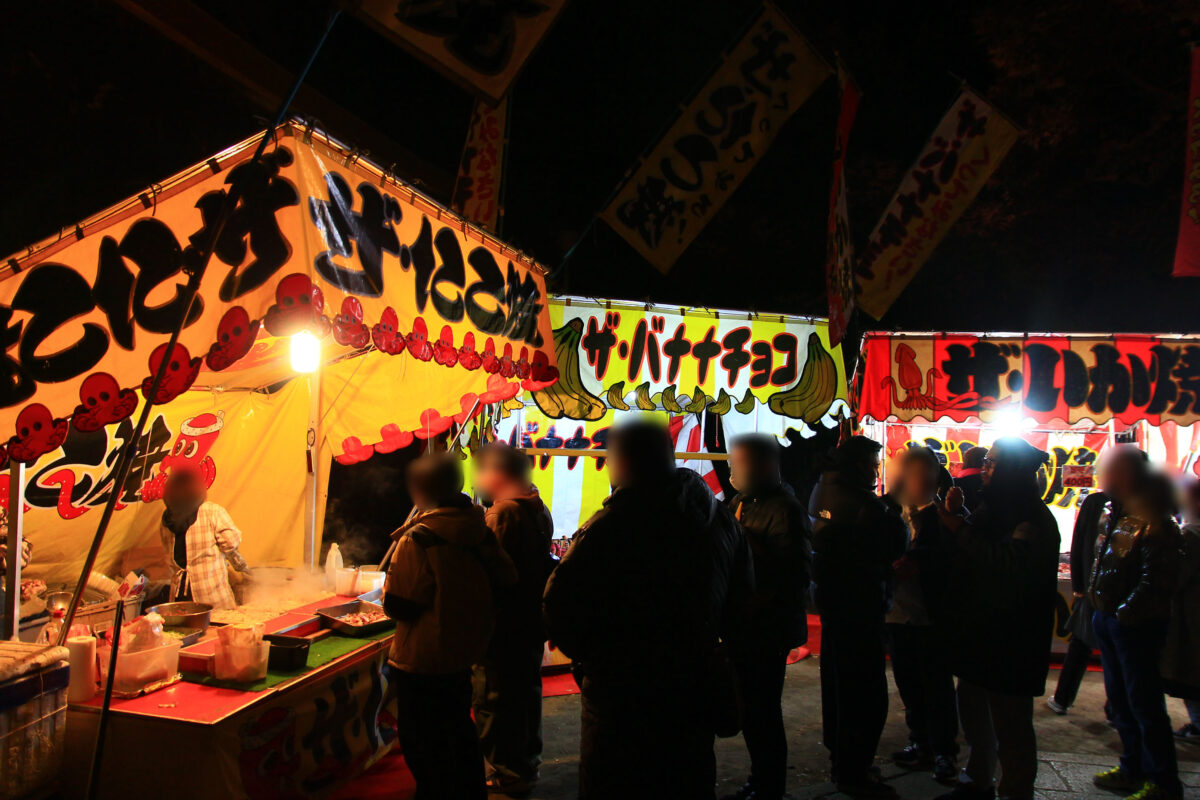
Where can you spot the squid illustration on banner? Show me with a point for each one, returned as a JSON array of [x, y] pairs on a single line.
[[718, 137], [1045, 378], [965, 149]]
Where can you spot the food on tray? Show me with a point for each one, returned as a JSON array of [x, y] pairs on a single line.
[[31, 588], [360, 618]]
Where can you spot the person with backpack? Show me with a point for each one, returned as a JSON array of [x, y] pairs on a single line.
[[508, 680], [444, 571]]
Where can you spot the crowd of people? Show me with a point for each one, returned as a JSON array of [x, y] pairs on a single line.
[[956, 585]]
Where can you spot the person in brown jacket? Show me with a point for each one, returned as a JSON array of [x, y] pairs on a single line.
[[440, 585], [508, 681]]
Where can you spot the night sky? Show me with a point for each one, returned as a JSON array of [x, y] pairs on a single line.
[[1074, 233]]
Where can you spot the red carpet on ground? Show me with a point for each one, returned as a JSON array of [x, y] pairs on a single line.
[[389, 778]]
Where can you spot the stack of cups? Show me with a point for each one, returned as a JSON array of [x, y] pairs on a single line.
[[82, 656]]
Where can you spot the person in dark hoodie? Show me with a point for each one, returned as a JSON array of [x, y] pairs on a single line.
[[855, 542], [777, 528], [508, 681], [999, 618], [970, 478], [1133, 585], [440, 583], [651, 579]]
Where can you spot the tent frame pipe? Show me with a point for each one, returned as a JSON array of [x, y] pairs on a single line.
[[128, 451], [16, 541]]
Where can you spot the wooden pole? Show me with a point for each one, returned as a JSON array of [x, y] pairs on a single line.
[[16, 540]]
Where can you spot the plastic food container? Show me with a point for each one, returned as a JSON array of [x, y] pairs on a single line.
[[241, 663], [288, 653], [136, 671], [345, 580], [368, 581]]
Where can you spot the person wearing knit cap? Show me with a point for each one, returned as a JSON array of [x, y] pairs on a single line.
[[1000, 602], [855, 542]]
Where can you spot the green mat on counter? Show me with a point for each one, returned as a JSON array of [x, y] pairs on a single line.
[[320, 653]]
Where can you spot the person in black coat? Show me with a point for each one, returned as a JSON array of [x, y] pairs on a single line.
[[999, 616], [1122, 468], [919, 664], [777, 528], [639, 602], [855, 542]]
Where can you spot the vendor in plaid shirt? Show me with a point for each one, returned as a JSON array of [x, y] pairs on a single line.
[[199, 536]]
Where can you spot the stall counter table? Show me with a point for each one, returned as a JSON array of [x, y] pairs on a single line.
[[302, 738]]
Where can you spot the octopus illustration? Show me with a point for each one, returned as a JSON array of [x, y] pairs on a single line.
[[490, 363], [179, 376], [386, 333], [444, 351], [299, 305], [468, 357], [189, 452], [269, 761], [522, 365], [102, 402], [38, 433], [418, 341], [235, 337], [540, 370], [911, 381], [348, 326], [507, 368]]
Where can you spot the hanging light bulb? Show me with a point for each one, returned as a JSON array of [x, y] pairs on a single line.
[[305, 352]]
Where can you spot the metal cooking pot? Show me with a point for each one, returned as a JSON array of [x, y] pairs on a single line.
[[183, 615]]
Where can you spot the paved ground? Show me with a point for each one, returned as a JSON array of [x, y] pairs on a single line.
[[1072, 747]]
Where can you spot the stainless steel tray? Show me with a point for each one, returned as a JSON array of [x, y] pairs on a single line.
[[329, 618]]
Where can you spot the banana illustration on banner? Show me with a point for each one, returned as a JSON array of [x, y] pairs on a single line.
[[567, 397], [816, 390]]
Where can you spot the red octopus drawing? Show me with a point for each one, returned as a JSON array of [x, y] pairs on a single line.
[[444, 352], [386, 334]]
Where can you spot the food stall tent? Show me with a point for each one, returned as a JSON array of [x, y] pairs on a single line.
[[1072, 395], [414, 319]]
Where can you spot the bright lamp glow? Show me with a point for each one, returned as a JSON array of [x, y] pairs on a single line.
[[1008, 422], [305, 352]]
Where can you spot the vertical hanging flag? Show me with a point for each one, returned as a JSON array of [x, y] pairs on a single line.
[[716, 140], [839, 251], [965, 149], [1187, 249], [477, 190]]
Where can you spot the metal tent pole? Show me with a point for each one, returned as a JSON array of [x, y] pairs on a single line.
[[130, 448]]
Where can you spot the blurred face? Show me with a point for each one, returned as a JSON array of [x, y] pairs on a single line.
[[489, 481], [184, 491], [920, 485], [988, 470], [746, 472], [618, 466], [1118, 475]]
